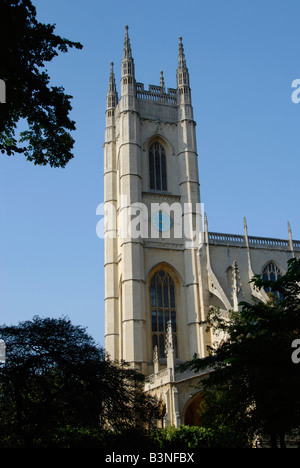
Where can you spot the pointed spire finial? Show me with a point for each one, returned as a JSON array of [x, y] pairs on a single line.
[[155, 360], [127, 53], [169, 340], [183, 79], [162, 80], [128, 73], [246, 232], [112, 81], [291, 239], [181, 56], [206, 237], [170, 350], [112, 95]]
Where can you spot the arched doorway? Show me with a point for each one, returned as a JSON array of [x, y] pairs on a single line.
[[192, 412]]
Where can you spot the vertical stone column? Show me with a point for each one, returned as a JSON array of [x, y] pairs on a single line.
[[190, 196], [203, 262], [130, 182], [112, 331]]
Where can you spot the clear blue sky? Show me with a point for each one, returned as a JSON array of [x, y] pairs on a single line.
[[242, 57]]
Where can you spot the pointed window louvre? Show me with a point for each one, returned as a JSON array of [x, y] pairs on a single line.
[[157, 167]]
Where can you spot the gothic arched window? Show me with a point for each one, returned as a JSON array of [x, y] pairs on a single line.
[[271, 272], [163, 310], [157, 167]]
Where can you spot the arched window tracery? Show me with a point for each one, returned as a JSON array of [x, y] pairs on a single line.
[[163, 310], [272, 272]]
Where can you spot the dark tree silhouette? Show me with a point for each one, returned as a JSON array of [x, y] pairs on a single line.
[[26, 45], [57, 379], [254, 385]]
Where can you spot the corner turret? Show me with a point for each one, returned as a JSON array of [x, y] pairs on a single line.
[[183, 78], [128, 84], [112, 94]]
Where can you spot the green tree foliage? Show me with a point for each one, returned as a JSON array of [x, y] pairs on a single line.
[[185, 439], [26, 45], [254, 386], [58, 385]]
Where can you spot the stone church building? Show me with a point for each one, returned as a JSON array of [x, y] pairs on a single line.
[[164, 269]]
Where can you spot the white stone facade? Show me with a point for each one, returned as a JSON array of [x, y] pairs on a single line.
[[151, 168]]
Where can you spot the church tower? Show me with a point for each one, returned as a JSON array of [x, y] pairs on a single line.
[[162, 273], [152, 205]]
